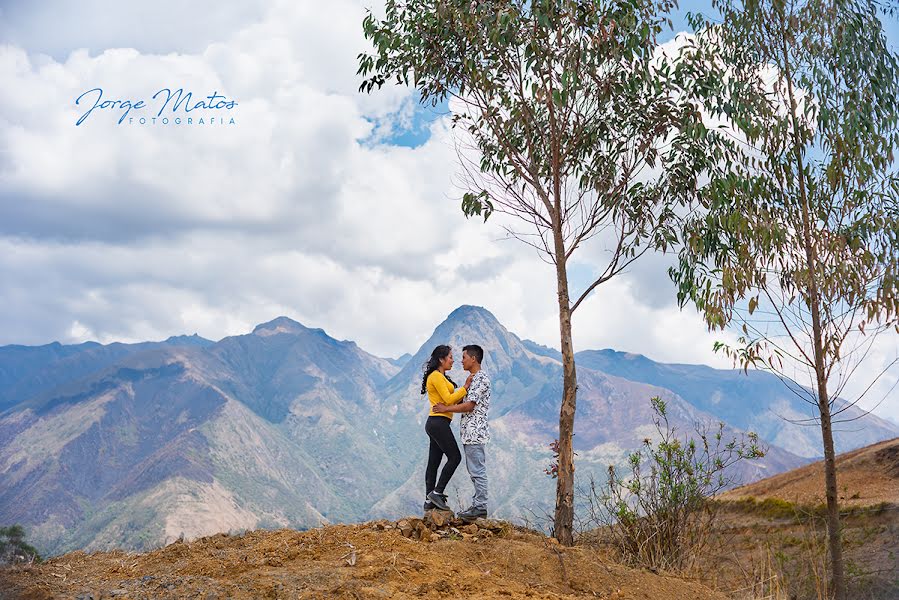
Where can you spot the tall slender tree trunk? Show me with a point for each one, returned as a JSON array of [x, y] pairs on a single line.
[[563, 525], [834, 542], [834, 535], [564, 519]]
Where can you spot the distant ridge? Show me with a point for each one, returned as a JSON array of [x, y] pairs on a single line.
[[755, 400]]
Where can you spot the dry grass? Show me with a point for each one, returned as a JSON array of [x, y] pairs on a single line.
[[777, 550]]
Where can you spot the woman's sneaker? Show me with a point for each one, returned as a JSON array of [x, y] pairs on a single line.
[[438, 500]]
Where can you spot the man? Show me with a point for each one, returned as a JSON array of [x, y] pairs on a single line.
[[474, 429]]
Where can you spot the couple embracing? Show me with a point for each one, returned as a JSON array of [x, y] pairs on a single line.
[[471, 400]]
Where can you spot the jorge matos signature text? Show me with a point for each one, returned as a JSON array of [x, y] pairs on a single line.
[[178, 99]]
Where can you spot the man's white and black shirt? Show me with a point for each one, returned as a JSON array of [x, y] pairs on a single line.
[[473, 424]]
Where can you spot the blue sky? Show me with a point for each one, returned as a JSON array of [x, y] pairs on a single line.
[[338, 209]]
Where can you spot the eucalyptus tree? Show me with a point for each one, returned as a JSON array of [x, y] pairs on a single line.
[[570, 121], [797, 247]]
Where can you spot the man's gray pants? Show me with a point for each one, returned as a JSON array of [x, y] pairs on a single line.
[[475, 462]]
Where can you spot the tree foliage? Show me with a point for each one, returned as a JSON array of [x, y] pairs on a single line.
[[813, 93]]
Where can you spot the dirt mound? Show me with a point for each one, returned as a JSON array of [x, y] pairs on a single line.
[[436, 557], [865, 477]]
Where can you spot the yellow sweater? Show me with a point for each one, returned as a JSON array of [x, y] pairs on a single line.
[[440, 391]]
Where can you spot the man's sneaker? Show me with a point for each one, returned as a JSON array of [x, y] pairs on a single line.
[[429, 506], [472, 514], [438, 500]]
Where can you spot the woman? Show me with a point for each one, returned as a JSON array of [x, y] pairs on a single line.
[[440, 389]]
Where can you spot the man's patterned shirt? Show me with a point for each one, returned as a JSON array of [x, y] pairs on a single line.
[[474, 426]]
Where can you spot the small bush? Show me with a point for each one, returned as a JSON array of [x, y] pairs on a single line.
[[660, 517], [13, 548]]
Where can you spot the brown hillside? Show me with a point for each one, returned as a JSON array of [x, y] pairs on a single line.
[[770, 538], [373, 560], [865, 477]]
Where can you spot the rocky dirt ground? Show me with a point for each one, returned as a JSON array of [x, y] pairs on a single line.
[[410, 558]]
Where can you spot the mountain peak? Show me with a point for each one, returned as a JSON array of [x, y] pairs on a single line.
[[279, 325], [469, 324], [468, 313], [465, 319], [188, 340], [610, 352]]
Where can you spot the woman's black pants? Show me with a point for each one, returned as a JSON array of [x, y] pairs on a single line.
[[443, 442]]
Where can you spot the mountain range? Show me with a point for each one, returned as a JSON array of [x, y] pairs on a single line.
[[134, 445]]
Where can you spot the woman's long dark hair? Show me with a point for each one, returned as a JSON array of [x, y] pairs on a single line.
[[437, 355]]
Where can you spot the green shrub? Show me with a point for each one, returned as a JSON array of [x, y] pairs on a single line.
[[660, 517], [13, 548]]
